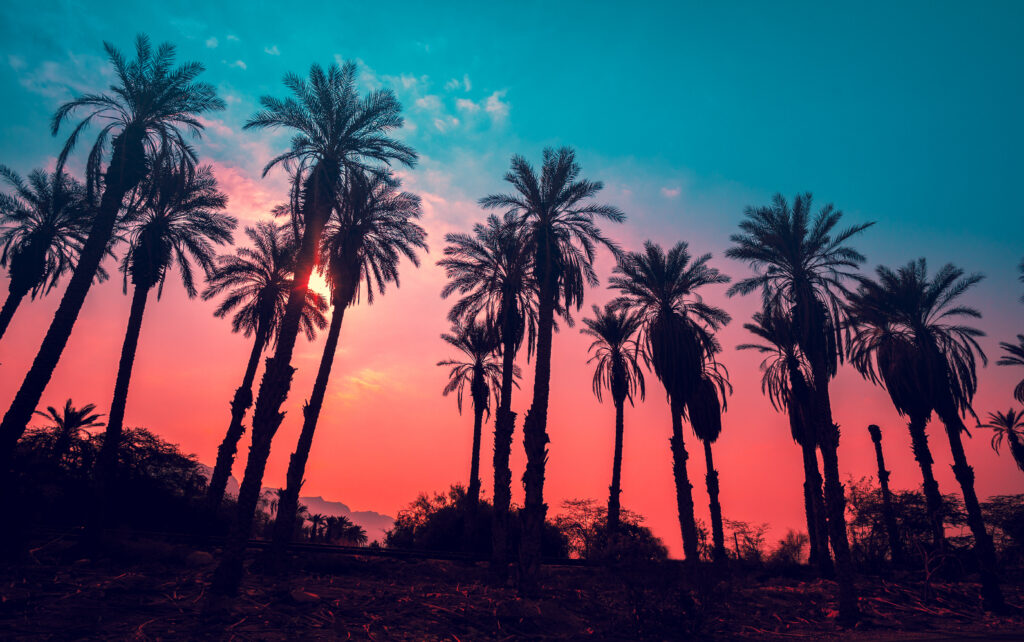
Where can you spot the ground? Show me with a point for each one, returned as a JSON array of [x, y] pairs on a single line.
[[157, 590]]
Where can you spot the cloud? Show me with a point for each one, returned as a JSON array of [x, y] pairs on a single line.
[[455, 83], [467, 105], [446, 123], [240, 64], [408, 81], [429, 102], [671, 192], [212, 42], [16, 62], [496, 107], [233, 38], [272, 50]]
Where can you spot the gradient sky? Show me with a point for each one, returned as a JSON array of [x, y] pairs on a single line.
[[909, 116]]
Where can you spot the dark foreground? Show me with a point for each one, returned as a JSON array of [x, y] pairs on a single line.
[[156, 590]]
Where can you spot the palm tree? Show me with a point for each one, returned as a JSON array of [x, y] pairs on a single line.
[[336, 132], [887, 509], [316, 521], [926, 311], [559, 220], [617, 370], [482, 373], [178, 224], [255, 283], [801, 262], [676, 338], [705, 409], [140, 117], [1008, 425], [492, 271], [70, 423], [784, 380], [884, 351], [1014, 357], [43, 223], [375, 226]]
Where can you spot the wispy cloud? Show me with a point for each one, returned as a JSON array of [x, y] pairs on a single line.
[[446, 123], [212, 42], [429, 102], [455, 83], [467, 105], [496, 107], [671, 192], [272, 50], [239, 64]]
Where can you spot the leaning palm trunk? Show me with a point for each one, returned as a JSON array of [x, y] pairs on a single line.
[[991, 594], [287, 508], [717, 531], [933, 498], [616, 488], [10, 306], [277, 379], [684, 489], [895, 550], [814, 505], [504, 426], [239, 405], [127, 167]]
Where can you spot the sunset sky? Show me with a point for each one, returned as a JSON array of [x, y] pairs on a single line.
[[909, 116]]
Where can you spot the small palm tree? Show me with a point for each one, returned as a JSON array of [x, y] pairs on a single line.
[[141, 119], [617, 370], [705, 409], [374, 227], [336, 132], [481, 372], [677, 337], [1008, 425], [316, 522], [70, 423], [559, 219], [178, 224], [43, 224], [491, 269], [255, 283], [1014, 357]]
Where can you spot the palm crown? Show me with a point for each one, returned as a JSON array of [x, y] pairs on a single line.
[[71, 421], [782, 357], [1008, 426], [256, 283], [482, 370], [1014, 357], [616, 352]]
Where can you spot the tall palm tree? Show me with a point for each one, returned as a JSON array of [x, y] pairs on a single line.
[[375, 226], [1008, 425], [677, 337], [801, 261], [559, 219], [255, 283], [617, 370], [336, 132], [481, 372], [43, 224], [885, 352], [705, 410], [178, 224], [895, 550], [1014, 357], [70, 423], [784, 380], [926, 310], [140, 118], [492, 271]]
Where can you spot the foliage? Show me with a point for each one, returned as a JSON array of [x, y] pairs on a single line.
[[584, 524]]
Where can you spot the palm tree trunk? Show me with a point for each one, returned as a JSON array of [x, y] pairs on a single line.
[[895, 550], [473, 494], [814, 504], [933, 498], [10, 305], [239, 405], [127, 167], [1016, 447], [616, 488], [684, 489], [717, 530], [276, 383], [504, 426], [284, 525], [991, 594], [535, 439]]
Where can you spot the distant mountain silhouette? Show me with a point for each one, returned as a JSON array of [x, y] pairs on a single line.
[[375, 524]]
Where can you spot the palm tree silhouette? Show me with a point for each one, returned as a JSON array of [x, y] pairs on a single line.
[[705, 410], [895, 550], [1008, 425], [559, 220], [255, 283], [801, 262], [374, 227], [336, 132], [925, 310], [883, 348], [1014, 357], [481, 372], [70, 423], [178, 223], [492, 271], [43, 224], [616, 353], [677, 325], [784, 380], [140, 118], [316, 521]]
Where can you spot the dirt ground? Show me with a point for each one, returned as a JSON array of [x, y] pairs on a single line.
[[153, 590]]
